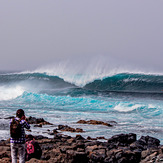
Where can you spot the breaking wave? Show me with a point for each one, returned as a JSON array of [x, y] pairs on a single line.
[[127, 82]]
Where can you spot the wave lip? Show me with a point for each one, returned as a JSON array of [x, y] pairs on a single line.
[[9, 93]]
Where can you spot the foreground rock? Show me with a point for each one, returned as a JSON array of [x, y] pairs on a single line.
[[123, 148], [94, 122]]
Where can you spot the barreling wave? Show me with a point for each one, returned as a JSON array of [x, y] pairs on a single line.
[[129, 83]]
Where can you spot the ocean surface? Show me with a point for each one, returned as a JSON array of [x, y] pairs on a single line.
[[133, 100]]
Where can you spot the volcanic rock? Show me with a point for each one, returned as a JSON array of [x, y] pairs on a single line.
[[39, 121], [94, 122]]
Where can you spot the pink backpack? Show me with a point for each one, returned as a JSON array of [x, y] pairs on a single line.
[[30, 147]]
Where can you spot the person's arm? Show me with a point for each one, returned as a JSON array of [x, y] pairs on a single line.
[[25, 123]]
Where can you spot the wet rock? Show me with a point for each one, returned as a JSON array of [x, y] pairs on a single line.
[[145, 142], [101, 137], [40, 137], [89, 138], [41, 121], [9, 117], [122, 140], [54, 132], [39, 125], [68, 128], [94, 122], [79, 137]]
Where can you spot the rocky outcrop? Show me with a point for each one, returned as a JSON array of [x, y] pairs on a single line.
[[122, 148], [94, 122], [38, 121], [68, 128]]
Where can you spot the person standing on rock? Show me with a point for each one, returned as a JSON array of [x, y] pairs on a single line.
[[17, 133]]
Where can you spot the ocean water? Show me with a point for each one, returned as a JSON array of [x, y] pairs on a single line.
[[133, 100]]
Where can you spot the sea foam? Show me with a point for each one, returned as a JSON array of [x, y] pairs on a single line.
[[8, 93]]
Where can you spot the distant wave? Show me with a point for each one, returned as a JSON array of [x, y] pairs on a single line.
[[13, 85], [32, 78], [123, 82]]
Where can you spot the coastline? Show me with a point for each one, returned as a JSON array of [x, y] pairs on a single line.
[[62, 148]]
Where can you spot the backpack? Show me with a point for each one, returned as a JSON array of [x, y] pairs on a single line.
[[30, 147], [15, 128], [33, 150]]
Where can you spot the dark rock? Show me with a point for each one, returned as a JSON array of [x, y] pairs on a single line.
[[94, 122], [39, 125], [57, 136], [41, 121], [67, 136], [96, 157], [92, 143], [119, 155], [80, 150], [9, 117], [109, 160], [40, 137], [70, 141], [80, 157], [89, 149], [79, 137], [63, 149], [101, 137], [89, 138], [68, 128], [54, 132], [70, 154], [123, 160], [80, 145], [145, 142], [122, 140]]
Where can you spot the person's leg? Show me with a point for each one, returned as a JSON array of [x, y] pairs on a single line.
[[21, 151], [14, 151]]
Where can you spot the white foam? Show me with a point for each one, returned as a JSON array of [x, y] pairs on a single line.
[[126, 108], [10, 92]]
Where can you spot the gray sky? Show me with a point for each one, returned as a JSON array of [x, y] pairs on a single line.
[[35, 33]]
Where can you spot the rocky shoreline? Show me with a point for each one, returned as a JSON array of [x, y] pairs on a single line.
[[122, 148]]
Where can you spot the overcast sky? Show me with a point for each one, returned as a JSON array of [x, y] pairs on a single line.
[[34, 33]]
